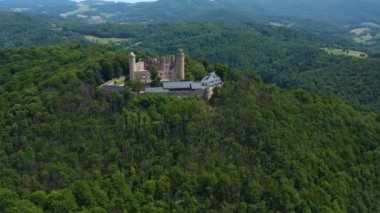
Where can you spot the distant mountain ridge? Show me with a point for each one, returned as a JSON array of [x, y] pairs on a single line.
[[18, 30], [95, 11], [339, 11], [49, 7]]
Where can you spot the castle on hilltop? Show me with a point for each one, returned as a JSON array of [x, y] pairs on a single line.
[[170, 68]]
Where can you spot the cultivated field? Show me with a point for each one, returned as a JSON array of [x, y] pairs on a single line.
[[352, 53], [366, 33], [359, 31], [82, 8], [363, 38]]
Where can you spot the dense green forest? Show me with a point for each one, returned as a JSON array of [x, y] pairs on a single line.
[[335, 11], [19, 30], [50, 7], [68, 146]]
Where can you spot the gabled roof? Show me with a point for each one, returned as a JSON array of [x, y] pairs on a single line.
[[177, 85], [211, 79], [197, 85], [156, 90]]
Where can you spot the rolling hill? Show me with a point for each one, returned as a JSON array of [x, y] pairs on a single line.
[[297, 131], [333, 11], [68, 146], [50, 7], [290, 58], [20, 30], [336, 11]]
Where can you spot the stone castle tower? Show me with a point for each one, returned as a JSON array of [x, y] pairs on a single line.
[[132, 66], [169, 69], [180, 64]]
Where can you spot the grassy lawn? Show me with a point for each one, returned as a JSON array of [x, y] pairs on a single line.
[[119, 83], [105, 40], [351, 53], [116, 81]]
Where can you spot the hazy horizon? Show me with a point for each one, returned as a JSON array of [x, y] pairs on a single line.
[[126, 1]]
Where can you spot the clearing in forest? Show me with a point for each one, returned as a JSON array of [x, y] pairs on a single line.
[[98, 40], [352, 53]]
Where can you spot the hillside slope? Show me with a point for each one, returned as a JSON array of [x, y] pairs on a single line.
[[68, 146], [335, 11], [50, 7], [18, 30], [288, 57]]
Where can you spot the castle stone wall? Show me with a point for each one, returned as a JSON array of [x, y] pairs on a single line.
[[140, 66], [170, 68]]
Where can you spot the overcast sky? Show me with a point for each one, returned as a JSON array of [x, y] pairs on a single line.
[[129, 1]]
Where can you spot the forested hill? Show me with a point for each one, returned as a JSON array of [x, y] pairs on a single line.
[[68, 146], [18, 30], [50, 7], [336, 11], [288, 57]]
